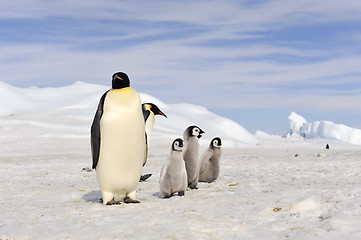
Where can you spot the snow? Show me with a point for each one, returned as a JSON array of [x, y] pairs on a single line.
[[323, 129], [81, 99], [269, 187]]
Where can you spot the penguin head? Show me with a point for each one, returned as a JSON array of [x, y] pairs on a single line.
[[120, 80], [216, 143], [153, 108], [193, 131], [177, 145]]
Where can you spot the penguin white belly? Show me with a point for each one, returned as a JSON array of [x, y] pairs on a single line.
[[122, 144], [149, 126]]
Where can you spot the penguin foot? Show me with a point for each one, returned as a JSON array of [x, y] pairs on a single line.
[[113, 202], [86, 169], [168, 195], [128, 200], [144, 177], [181, 193], [193, 185]]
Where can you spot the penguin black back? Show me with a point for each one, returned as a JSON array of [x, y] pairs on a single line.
[[95, 131]]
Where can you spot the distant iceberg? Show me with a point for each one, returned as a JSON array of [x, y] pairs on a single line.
[[322, 129]]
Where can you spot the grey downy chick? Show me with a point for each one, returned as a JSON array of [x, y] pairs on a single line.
[[173, 176], [210, 161], [191, 154]]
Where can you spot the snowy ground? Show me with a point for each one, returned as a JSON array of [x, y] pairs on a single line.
[[263, 192]]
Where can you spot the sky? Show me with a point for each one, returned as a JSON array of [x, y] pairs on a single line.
[[252, 61]]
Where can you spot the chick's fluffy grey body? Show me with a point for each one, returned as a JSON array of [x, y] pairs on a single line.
[[209, 170], [173, 177], [210, 162], [190, 154]]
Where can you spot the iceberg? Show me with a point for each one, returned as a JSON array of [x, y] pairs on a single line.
[[322, 129]]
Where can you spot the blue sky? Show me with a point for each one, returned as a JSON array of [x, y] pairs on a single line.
[[251, 61]]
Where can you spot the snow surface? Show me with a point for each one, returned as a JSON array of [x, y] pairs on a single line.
[[269, 187]]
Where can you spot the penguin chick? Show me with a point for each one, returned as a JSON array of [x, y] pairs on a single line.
[[190, 154], [118, 141], [173, 176], [209, 170]]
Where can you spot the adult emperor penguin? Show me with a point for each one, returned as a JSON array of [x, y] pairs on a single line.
[[209, 170], [118, 141], [190, 154], [173, 176], [149, 112]]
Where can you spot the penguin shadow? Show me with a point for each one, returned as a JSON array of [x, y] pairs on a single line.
[[158, 195], [93, 196]]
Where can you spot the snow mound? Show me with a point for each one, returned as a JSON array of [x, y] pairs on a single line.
[[74, 106], [323, 129]]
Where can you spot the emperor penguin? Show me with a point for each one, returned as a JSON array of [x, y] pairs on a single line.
[[209, 170], [149, 112], [118, 141], [173, 176], [190, 154]]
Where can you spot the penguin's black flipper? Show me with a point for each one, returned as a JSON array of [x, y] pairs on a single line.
[[144, 177], [146, 150], [95, 131]]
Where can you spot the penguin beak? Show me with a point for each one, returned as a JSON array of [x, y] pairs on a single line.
[[117, 78], [161, 113], [200, 133]]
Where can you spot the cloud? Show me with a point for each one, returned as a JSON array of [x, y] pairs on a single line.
[[217, 54]]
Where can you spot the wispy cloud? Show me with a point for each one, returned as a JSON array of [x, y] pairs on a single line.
[[219, 54]]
